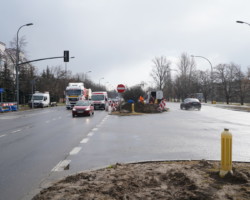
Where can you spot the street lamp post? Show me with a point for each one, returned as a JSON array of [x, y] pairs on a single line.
[[33, 82], [85, 75], [212, 79], [100, 80], [17, 62], [106, 85], [241, 22]]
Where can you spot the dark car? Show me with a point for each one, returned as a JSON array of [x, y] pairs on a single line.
[[83, 108], [191, 103]]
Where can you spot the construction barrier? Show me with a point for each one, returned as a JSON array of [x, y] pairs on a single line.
[[7, 107], [163, 105], [113, 106]]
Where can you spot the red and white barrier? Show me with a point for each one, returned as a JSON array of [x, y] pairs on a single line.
[[163, 105], [113, 106]]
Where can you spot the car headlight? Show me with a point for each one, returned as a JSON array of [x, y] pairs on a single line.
[[87, 109], [73, 109]]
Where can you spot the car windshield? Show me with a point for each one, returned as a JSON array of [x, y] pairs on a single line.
[[191, 100], [97, 97], [73, 92], [82, 103]]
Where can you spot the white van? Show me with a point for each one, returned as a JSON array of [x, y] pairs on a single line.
[[100, 100], [40, 100], [156, 95]]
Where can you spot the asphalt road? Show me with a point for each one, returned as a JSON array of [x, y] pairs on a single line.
[[174, 135], [41, 147], [32, 143]]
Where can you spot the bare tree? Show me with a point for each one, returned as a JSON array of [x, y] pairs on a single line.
[[168, 87], [22, 43], [186, 75], [160, 70], [204, 82], [226, 77], [242, 85]]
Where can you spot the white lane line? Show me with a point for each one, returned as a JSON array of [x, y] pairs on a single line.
[[61, 166], [2, 136], [85, 140], [95, 129], [90, 134], [47, 122], [16, 131], [75, 151]]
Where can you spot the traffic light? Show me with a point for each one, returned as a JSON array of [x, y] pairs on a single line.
[[66, 56]]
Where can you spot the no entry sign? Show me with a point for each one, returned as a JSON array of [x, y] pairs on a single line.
[[121, 88]]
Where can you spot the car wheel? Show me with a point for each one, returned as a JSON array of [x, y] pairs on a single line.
[[73, 115], [93, 113]]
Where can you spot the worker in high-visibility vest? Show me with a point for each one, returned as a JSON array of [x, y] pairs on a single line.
[[141, 99]]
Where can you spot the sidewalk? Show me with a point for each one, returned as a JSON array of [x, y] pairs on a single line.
[[244, 108]]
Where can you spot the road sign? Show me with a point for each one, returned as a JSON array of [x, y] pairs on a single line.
[[121, 88], [1, 90]]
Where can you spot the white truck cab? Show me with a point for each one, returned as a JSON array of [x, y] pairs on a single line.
[[74, 92], [156, 95]]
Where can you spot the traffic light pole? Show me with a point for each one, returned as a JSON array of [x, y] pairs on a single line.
[[23, 63], [65, 57]]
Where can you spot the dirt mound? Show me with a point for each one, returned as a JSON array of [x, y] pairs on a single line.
[[141, 108], [154, 180]]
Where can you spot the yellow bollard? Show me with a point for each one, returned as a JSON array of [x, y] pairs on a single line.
[[133, 107], [226, 153]]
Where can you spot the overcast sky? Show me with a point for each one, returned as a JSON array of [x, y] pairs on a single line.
[[117, 39]]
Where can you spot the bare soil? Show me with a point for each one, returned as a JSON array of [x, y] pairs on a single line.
[[154, 180], [141, 108]]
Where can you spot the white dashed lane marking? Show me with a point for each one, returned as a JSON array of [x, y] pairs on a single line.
[[90, 134], [61, 166], [16, 131], [85, 140], [75, 151], [2, 136]]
